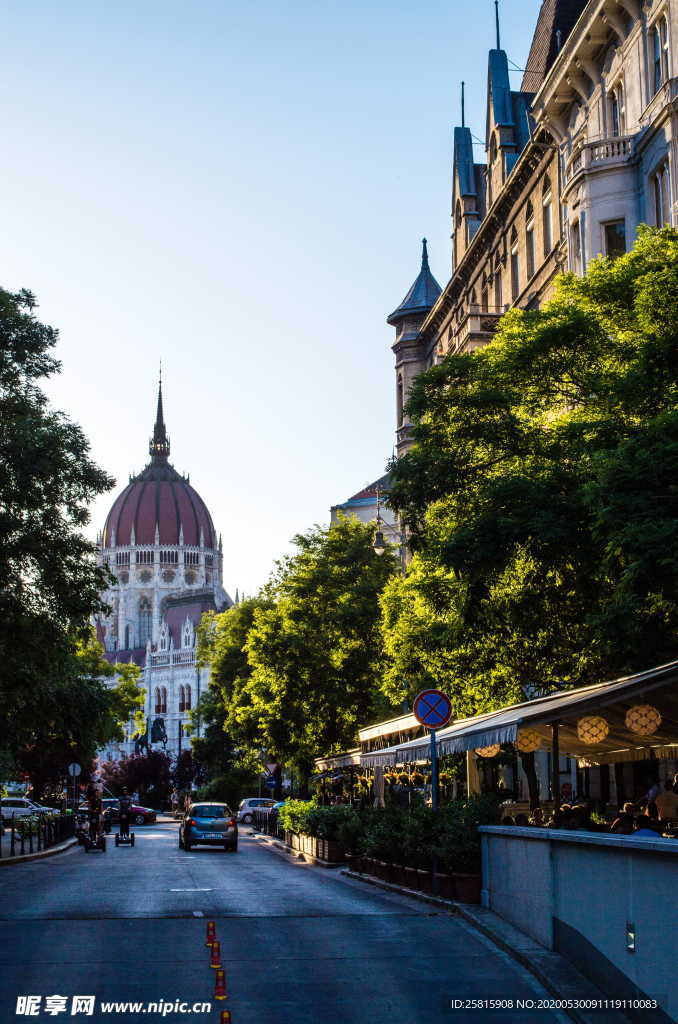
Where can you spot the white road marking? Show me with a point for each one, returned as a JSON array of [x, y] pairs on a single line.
[[191, 890], [198, 913]]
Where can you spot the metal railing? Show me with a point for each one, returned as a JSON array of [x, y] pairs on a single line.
[[267, 821], [32, 834]]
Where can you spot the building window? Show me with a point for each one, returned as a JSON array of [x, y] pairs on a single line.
[[169, 557], [122, 558], [144, 621], [457, 215], [144, 557], [400, 401], [546, 205], [191, 558], [575, 240], [529, 241], [128, 645], [498, 298], [617, 111], [187, 699], [615, 238], [160, 700], [660, 53], [515, 266], [182, 698], [661, 188]]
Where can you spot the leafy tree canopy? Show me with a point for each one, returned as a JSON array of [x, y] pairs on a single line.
[[316, 656], [49, 582], [541, 494]]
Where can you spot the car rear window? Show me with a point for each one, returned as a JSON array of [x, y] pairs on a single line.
[[210, 811]]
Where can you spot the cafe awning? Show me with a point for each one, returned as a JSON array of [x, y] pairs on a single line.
[[611, 700]]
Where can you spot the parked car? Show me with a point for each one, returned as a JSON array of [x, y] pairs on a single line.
[[211, 824], [250, 804], [140, 815], [20, 807]]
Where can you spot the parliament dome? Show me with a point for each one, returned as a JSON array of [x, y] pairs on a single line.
[[159, 506]]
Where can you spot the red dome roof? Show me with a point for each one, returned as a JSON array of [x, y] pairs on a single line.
[[159, 497]]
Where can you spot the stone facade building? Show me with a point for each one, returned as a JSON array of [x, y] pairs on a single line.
[[160, 544], [576, 159]]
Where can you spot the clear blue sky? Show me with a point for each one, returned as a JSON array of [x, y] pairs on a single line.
[[240, 189]]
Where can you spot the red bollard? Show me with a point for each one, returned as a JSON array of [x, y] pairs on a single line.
[[225, 1017], [215, 957], [211, 933], [220, 985]]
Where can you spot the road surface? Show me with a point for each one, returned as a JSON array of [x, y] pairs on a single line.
[[299, 944]]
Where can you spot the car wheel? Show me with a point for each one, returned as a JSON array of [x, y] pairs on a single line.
[[187, 846], [181, 842], [117, 840], [247, 819], [138, 819], [131, 839]]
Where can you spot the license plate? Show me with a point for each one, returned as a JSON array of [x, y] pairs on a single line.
[[213, 835]]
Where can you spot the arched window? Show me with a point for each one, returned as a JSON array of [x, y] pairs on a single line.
[[158, 701], [163, 700], [182, 698], [498, 296], [617, 111], [457, 215], [400, 400], [127, 638], [660, 53], [529, 240], [144, 621], [515, 266], [187, 699], [546, 206], [493, 148], [661, 187]]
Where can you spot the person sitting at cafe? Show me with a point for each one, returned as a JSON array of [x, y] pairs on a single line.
[[521, 819], [507, 820], [667, 803], [646, 828], [622, 825], [538, 817]]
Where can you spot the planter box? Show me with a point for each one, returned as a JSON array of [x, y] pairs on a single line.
[[411, 878], [467, 888], [424, 881], [445, 886]]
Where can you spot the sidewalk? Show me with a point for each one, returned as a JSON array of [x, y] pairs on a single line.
[[5, 844]]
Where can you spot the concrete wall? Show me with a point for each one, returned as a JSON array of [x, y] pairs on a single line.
[[576, 892]]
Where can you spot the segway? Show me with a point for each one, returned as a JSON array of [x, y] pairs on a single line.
[[94, 840], [124, 837]]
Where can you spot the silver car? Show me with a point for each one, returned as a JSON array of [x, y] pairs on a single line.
[[251, 804], [19, 807]]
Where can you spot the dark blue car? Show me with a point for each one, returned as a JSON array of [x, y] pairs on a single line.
[[209, 824]]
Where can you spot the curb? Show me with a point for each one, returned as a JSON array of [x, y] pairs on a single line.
[[542, 963], [53, 850]]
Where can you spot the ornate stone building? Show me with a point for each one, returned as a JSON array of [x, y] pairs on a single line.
[[576, 159], [160, 544]]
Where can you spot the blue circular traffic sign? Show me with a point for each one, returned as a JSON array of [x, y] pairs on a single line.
[[432, 708]]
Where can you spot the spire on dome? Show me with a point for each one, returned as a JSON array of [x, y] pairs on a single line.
[[423, 293], [159, 446]]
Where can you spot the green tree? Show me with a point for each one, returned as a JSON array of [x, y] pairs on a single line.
[[541, 494], [80, 716], [49, 581], [316, 656]]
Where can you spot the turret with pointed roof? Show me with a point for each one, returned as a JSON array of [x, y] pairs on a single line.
[[421, 296]]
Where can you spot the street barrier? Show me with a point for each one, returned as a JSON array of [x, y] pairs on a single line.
[[266, 821], [35, 833]]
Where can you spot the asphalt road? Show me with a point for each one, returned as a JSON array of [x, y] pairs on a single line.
[[299, 944]]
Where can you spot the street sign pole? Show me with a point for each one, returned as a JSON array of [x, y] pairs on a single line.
[[434, 772]]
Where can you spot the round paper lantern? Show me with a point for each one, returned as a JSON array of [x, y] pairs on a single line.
[[490, 751], [643, 719], [592, 729], [528, 740]]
